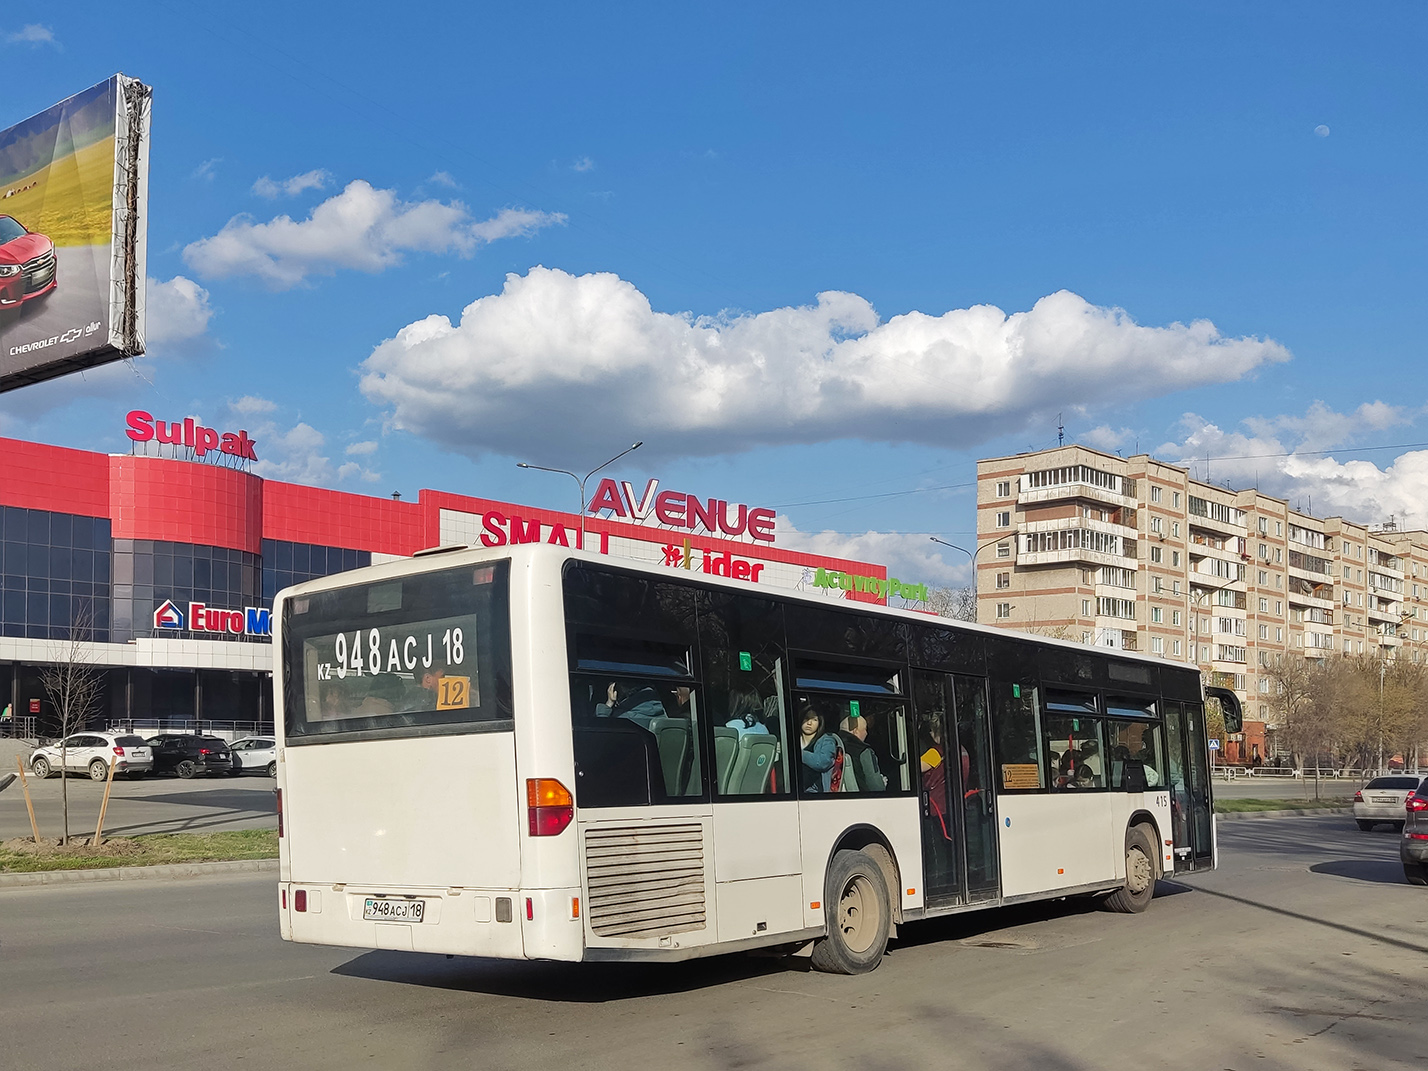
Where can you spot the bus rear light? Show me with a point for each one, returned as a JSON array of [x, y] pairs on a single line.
[[285, 899], [278, 795], [575, 907], [299, 899], [549, 805], [530, 909]]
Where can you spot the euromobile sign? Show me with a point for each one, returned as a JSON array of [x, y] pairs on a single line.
[[73, 221]]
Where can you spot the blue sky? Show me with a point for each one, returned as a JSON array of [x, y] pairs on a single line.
[[1189, 231]]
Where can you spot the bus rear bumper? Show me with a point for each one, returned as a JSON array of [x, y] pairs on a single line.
[[495, 923]]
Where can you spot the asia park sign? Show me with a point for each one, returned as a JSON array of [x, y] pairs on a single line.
[[143, 428]]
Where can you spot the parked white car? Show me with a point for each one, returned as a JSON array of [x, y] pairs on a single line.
[[92, 753], [255, 754], [1383, 800]]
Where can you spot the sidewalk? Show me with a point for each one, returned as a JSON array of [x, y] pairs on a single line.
[[170, 871], [1235, 816]]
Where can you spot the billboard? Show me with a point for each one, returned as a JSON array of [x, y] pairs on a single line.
[[73, 212]]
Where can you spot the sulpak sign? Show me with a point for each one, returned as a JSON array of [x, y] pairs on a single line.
[[188, 432]]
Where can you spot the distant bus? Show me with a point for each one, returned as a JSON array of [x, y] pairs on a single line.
[[538, 753]]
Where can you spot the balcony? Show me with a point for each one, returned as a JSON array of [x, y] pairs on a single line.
[[1383, 613], [1062, 492]]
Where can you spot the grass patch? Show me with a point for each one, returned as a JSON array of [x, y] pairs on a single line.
[[23, 856], [74, 201], [1236, 806]]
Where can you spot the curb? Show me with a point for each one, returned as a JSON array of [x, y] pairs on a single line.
[[1235, 816], [139, 873]]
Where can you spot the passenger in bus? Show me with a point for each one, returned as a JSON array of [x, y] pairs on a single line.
[[1085, 778], [1091, 756], [853, 731], [820, 751], [638, 703], [746, 712]]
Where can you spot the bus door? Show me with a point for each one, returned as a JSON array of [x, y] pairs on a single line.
[[1189, 778], [953, 754]]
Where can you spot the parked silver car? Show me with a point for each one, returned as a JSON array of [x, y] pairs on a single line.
[[255, 754], [1383, 799], [1413, 848], [92, 753]]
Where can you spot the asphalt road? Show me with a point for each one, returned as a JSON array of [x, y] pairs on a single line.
[[80, 299], [1303, 952], [159, 804]]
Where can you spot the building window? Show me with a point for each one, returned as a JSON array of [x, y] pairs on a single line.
[[1174, 557], [1175, 617], [1156, 585], [1004, 580], [1264, 632], [1263, 577], [1155, 494], [1278, 608], [1155, 615], [1264, 551], [1279, 528], [1264, 526], [1155, 554], [1004, 489], [1175, 498], [1175, 587], [1085, 607], [1157, 525], [1003, 550], [1175, 648], [1157, 645], [1264, 606], [1279, 635], [1004, 518], [1003, 610], [1175, 529], [1278, 555]]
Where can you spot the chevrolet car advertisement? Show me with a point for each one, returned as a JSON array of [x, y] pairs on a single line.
[[73, 184]]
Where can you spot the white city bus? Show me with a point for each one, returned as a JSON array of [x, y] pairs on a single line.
[[537, 753]]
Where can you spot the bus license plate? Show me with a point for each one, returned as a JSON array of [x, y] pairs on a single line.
[[380, 909]]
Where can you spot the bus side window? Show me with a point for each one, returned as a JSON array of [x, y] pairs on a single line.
[[742, 666], [1017, 718]]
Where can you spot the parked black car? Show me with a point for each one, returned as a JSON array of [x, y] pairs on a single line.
[[1413, 848], [186, 755]]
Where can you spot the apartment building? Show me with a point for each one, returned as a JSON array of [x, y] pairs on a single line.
[[1134, 553]]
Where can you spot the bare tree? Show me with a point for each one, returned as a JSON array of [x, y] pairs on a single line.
[[1305, 700], [960, 604], [74, 682]]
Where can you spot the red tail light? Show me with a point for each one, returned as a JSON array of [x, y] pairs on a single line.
[[278, 795], [203, 751], [299, 899], [118, 751], [1358, 796], [549, 806], [1416, 803]]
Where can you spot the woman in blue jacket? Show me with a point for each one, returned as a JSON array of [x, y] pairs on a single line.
[[820, 751]]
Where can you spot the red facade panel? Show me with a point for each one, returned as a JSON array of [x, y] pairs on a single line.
[[339, 519], [183, 502], [53, 478]]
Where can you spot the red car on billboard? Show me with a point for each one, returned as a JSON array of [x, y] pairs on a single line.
[[27, 264]]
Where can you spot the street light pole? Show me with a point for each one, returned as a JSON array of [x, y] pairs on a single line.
[[580, 480], [972, 557]]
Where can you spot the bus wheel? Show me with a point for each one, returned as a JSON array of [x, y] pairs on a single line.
[[1135, 895], [859, 913]]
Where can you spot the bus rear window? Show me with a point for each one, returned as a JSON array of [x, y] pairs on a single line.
[[418, 655]]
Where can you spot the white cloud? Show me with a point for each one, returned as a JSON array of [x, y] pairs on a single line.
[[207, 169], [361, 228], [308, 180], [297, 453], [911, 556], [361, 449], [251, 405], [1321, 130], [444, 178], [583, 163], [175, 311], [33, 34], [555, 360], [1284, 456]]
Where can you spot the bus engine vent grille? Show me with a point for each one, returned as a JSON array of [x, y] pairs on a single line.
[[645, 880]]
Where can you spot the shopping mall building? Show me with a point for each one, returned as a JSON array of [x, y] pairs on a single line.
[[169, 564]]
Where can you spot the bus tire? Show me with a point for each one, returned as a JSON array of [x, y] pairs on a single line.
[[859, 912], [1135, 895]]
